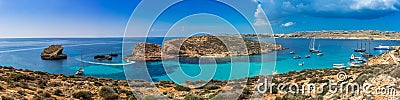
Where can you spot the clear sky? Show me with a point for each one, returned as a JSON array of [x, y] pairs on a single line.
[[108, 18]]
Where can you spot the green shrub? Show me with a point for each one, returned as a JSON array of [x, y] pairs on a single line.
[[108, 93], [58, 92], [82, 95], [1, 88], [46, 95], [6, 98], [181, 88], [192, 97]]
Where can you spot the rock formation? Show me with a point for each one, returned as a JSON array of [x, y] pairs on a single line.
[[200, 46], [53, 52], [145, 52], [102, 57]]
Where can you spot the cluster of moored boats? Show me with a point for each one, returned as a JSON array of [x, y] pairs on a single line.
[[355, 61], [311, 50]]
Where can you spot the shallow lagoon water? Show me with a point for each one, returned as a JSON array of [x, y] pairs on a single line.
[[25, 54]]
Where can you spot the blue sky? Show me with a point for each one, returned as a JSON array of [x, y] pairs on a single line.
[[108, 18]]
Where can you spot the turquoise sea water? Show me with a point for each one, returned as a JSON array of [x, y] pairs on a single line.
[[25, 54]]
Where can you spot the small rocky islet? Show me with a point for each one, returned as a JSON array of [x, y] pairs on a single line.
[[53, 52], [201, 46]]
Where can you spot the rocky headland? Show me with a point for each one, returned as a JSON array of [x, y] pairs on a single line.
[[53, 52], [201, 46]]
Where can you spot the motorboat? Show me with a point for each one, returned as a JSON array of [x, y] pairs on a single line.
[[79, 72], [307, 56], [297, 57], [352, 57], [339, 66], [291, 52], [301, 64], [355, 64], [380, 47], [320, 54]]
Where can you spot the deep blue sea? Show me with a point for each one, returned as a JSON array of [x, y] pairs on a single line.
[[24, 53]]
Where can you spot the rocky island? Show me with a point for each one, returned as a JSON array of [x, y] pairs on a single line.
[[53, 52], [201, 46]]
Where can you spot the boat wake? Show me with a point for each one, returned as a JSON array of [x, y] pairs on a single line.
[[38, 48], [107, 64]]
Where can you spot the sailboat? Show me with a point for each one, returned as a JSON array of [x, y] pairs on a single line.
[[319, 52], [312, 46], [359, 49], [81, 70], [367, 55]]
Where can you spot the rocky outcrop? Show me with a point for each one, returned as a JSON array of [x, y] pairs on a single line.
[[201, 46], [381, 59], [145, 52], [53, 52], [102, 57]]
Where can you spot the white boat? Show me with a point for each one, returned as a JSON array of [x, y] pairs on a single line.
[[320, 54], [355, 64], [274, 72], [297, 57], [291, 52], [312, 46], [380, 47], [301, 64], [339, 66], [352, 57], [81, 70]]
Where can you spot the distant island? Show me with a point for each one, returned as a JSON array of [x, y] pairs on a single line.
[[337, 34], [201, 46]]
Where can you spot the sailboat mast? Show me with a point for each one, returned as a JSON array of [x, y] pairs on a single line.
[[319, 45], [365, 44], [81, 60], [369, 46], [357, 44], [361, 45]]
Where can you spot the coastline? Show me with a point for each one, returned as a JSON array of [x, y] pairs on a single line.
[[21, 84], [353, 38]]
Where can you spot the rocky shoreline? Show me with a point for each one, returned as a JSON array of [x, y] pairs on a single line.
[[25, 84], [201, 46]]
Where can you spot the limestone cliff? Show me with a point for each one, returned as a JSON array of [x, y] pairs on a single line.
[[53, 52]]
